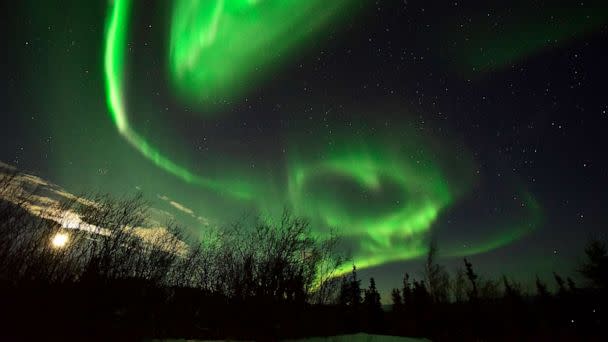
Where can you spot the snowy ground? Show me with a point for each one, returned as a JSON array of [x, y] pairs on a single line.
[[343, 338], [361, 338]]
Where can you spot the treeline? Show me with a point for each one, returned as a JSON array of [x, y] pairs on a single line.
[[105, 278], [468, 307], [114, 280]]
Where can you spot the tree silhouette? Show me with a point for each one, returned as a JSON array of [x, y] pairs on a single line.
[[372, 305], [421, 298], [595, 267], [350, 290], [541, 290], [406, 291], [344, 295], [436, 277], [372, 297], [489, 289], [512, 289], [354, 289], [571, 285], [459, 286], [472, 276], [561, 285], [350, 300], [396, 300]]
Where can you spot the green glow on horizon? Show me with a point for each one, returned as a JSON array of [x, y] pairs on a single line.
[[218, 47]]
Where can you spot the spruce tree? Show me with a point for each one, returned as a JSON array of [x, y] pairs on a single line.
[[397, 300]]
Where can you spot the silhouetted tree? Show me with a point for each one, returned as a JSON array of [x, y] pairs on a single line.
[[373, 307], [372, 297], [350, 290], [437, 278], [489, 289], [571, 285], [561, 286], [355, 289], [541, 290], [397, 300], [512, 289], [344, 294], [328, 285], [595, 267], [421, 298], [350, 300], [406, 291], [459, 286], [472, 276]]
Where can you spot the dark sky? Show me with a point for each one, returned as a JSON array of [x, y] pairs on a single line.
[[479, 123]]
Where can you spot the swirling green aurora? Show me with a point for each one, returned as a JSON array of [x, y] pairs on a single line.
[[253, 33], [384, 197]]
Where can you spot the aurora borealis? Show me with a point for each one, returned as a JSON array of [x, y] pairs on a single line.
[[388, 193], [383, 122], [388, 202], [114, 68], [216, 46]]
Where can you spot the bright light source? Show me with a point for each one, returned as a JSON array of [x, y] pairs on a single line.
[[60, 240]]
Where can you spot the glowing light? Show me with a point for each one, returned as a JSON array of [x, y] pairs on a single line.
[[213, 45], [385, 194], [383, 200], [217, 47], [60, 240], [114, 69]]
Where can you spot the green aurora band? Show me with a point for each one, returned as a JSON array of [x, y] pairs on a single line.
[[202, 34], [385, 197], [217, 46], [516, 29], [384, 202], [382, 189], [114, 60]]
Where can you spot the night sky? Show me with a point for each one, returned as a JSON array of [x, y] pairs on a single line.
[[480, 124]]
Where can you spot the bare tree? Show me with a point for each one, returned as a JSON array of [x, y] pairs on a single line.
[[436, 276], [472, 276], [460, 287]]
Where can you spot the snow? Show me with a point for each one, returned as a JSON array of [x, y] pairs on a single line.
[[361, 337]]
